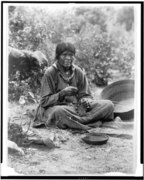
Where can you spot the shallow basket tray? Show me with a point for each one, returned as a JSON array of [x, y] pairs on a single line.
[[95, 139], [121, 93]]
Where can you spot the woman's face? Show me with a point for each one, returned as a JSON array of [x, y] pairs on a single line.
[[66, 59]]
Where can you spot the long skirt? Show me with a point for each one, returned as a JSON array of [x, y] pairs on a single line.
[[66, 116]]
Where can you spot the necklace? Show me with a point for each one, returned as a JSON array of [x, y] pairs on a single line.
[[67, 79], [65, 75]]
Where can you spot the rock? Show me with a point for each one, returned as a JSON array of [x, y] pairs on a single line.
[[49, 143], [13, 146]]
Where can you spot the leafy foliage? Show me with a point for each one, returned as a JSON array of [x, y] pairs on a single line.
[[103, 38], [18, 88], [95, 53], [126, 17]]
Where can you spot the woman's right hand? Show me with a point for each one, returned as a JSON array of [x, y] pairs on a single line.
[[69, 91]]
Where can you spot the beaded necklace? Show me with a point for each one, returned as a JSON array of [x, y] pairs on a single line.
[[66, 76]]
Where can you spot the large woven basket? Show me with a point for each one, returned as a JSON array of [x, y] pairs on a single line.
[[121, 93]]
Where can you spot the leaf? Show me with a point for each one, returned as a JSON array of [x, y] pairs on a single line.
[[22, 100], [31, 94]]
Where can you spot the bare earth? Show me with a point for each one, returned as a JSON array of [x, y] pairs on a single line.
[[73, 156]]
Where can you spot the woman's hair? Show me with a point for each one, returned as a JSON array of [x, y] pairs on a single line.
[[64, 46]]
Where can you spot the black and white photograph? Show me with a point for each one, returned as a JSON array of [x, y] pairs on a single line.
[[71, 89]]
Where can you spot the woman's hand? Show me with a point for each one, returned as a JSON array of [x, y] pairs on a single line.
[[86, 102], [68, 91]]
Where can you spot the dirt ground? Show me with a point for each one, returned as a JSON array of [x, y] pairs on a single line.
[[74, 156]]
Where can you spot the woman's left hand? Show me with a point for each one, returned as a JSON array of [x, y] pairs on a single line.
[[86, 102]]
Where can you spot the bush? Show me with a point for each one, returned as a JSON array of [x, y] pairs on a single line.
[[103, 38], [18, 88], [94, 52]]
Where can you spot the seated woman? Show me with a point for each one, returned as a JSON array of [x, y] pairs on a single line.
[[64, 91]]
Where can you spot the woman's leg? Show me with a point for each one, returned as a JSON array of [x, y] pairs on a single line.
[[64, 117], [101, 110]]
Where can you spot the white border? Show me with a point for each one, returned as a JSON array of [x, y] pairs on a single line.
[[139, 170]]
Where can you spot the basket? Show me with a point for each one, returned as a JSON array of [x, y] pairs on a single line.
[[121, 93]]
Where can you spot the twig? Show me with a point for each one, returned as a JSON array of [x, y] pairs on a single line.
[[28, 127]]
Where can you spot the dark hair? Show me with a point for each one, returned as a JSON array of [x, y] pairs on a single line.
[[64, 46]]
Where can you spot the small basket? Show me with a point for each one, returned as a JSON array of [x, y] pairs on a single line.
[[96, 138]]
